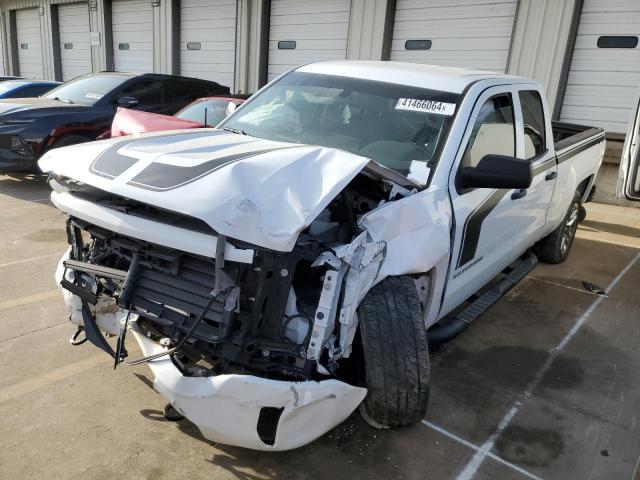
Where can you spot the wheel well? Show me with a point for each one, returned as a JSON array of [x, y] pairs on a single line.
[[582, 187]]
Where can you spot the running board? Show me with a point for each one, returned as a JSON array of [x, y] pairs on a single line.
[[440, 333]]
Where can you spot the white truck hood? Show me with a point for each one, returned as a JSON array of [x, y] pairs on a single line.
[[258, 191]]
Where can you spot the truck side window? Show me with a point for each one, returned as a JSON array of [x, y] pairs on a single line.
[[533, 119], [493, 132]]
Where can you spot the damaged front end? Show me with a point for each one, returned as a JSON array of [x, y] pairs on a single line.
[[254, 346]]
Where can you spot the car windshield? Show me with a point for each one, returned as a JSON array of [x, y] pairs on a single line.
[[206, 111], [86, 90], [392, 124], [10, 85]]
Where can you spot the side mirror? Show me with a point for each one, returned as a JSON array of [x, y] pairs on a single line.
[[127, 102], [497, 171]]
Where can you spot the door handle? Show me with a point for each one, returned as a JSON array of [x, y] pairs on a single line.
[[518, 194], [551, 175]]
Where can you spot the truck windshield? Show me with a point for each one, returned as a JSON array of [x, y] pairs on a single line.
[[389, 123]]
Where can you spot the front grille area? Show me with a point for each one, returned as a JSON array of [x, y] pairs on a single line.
[[242, 331], [170, 288], [174, 301]]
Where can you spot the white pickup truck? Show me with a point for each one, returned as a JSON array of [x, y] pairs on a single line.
[[290, 265]]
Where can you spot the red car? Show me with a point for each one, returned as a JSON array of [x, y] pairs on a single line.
[[204, 112]]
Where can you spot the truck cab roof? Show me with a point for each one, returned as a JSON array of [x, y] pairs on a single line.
[[450, 79]]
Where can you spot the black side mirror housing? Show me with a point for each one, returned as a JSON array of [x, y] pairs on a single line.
[[497, 171], [127, 102]]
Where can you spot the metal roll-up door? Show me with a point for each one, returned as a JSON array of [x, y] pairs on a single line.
[[208, 40], [604, 74], [75, 50], [29, 43], [461, 33], [132, 22], [309, 31]]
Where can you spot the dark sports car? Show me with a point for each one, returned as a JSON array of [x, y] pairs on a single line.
[[79, 110]]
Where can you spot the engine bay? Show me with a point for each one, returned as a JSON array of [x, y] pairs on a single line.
[[280, 317]]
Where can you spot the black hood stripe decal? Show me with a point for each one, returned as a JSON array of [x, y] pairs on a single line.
[[161, 176], [111, 163]]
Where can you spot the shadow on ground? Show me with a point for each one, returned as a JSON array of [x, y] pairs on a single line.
[[30, 187]]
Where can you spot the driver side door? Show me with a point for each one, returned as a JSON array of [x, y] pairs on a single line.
[[486, 219]]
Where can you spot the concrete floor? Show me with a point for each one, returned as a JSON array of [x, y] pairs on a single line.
[[545, 385]]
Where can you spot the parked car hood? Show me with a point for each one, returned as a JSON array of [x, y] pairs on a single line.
[[258, 191], [14, 105]]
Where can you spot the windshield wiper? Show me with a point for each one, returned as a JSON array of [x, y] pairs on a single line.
[[234, 130]]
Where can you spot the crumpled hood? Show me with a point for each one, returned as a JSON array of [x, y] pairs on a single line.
[[258, 191]]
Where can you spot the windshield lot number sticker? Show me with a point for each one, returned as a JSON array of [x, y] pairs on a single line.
[[426, 106]]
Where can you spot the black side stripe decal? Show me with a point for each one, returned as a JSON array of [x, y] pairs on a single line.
[[473, 225], [546, 165], [161, 176], [564, 156]]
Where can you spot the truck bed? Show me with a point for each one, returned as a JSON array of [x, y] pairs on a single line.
[[566, 136]]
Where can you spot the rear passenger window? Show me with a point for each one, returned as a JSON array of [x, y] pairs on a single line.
[[533, 120], [147, 92], [493, 131]]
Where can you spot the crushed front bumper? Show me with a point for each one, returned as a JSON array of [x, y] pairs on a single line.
[[242, 410]]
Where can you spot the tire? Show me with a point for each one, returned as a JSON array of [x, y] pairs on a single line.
[[395, 354], [555, 247], [69, 140]]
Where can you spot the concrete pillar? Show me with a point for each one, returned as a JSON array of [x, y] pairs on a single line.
[[370, 27], [542, 43], [100, 27], [252, 43], [165, 36]]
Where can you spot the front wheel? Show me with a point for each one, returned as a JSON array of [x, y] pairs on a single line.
[[555, 247], [395, 354]]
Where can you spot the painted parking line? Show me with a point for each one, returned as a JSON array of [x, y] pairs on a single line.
[[36, 297], [25, 260], [472, 446], [555, 284], [485, 449], [53, 376], [34, 331]]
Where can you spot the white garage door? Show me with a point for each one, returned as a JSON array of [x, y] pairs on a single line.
[[132, 22], [29, 43], [208, 40], [75, 51], [460, 33], [603, 80], [309, 31]]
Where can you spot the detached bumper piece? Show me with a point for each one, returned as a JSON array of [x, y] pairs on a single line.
[[253, 412]]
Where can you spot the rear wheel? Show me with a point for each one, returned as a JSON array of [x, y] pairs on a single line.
[[556, 246], [395, 354]]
